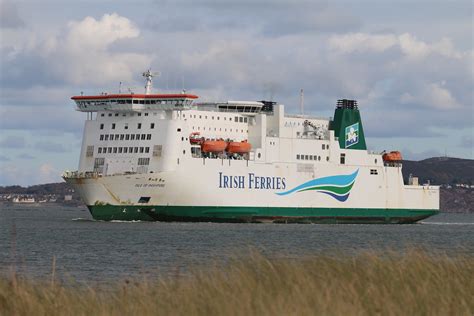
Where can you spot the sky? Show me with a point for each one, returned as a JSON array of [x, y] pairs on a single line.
[[410, 65]]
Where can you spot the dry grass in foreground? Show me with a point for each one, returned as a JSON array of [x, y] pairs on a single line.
[[414, 283]]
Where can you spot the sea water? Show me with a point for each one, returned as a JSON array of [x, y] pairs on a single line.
[[34, 240]]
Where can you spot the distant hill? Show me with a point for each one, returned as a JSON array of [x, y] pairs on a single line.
[[440, 170]]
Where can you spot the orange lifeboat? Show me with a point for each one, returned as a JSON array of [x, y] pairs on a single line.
[[242, 147], [392, 156], [213, 146]]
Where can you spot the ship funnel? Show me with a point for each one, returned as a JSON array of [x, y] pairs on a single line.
[[347, 125]]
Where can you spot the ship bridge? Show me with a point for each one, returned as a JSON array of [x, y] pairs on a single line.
[[133, 102]]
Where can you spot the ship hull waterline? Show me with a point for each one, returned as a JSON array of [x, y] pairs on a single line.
[[228, 214]]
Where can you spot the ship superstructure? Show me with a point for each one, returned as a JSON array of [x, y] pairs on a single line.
[[168, 157]]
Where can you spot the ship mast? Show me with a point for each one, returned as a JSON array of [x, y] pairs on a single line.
[[149, 80]]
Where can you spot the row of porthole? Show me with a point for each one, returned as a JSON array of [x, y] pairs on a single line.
[[236, 119], [310, 157], [220, 129]]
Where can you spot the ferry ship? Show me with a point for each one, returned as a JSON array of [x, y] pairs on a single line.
[[168, 157]]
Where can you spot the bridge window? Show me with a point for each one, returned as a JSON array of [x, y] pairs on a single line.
[[343, 159]]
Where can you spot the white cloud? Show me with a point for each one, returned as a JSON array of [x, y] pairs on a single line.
[[362, 42], [407, 43], [84, 56], [431, 95]]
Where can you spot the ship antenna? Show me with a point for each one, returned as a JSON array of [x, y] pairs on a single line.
[[149, 78], [302, 101]]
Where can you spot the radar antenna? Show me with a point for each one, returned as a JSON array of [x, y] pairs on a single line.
[[149, 78]]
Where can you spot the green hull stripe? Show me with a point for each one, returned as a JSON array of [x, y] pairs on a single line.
[[331, 188], [229, 213]]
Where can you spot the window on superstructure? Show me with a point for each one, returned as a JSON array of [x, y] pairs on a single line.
[[125, 150], [142, 150], [130, 149], [245, 120], [117, 136], [343, 159], [111, 136], [132, 137], [148, 136], [120, 150], [143, 136], [327, 158], [324, 146], [109, 150], [146, 114], [319, 158], [241, 119], [107, 137], [137, 136], [200, 116], [236, 119], [115, 150], [116, 114], [126, 125], [306, 157], [373, 171], [101, 137], [152, 125], [102, 114], [110, 114], [142, 102], [101, 126], [327, 146], [157, 150], [218, 118], [122, 136], [139, 126], [179, 129], [298, 157], [310, 157], [135, 150], [99, 150]]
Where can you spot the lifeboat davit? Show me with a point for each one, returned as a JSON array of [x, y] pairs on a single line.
[[213, 146], [392, 156], [242, 147], [194, 138]]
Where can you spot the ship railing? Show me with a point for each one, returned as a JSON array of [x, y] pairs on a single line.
[[81, 175]]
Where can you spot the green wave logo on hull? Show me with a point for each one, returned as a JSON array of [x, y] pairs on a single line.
[[339, 187]]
